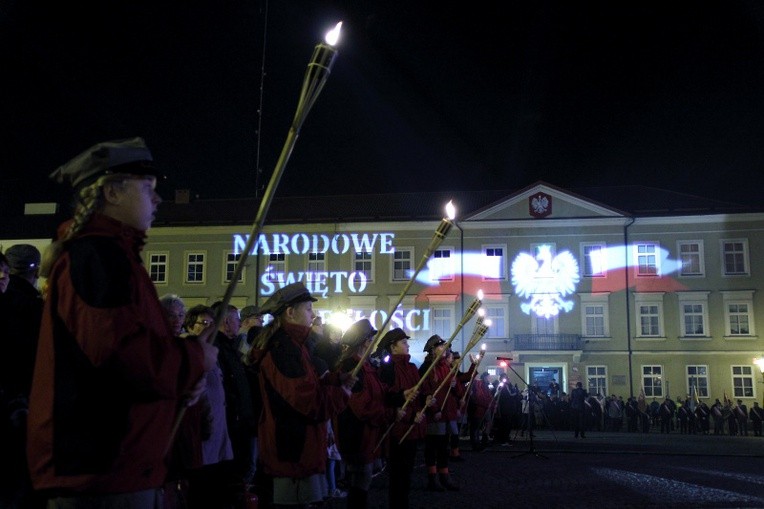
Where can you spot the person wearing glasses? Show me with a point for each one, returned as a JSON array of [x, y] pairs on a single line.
[[209, 480]]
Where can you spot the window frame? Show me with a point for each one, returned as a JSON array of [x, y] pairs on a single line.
[[700, 254], [743, 384], [229, 267], [650, 389], [739, 297], [746, 272], [188, 263], [595, 299], [367, 257], [502, 261], [587, 267], [445, 267], [597, 372], [693, 299], [150, 264], [649, 298], [656, 263], [276, 277], [319, 265], [393, 261], [499, 328], [702, 391]]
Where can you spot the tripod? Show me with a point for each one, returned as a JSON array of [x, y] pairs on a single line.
[[532, 398]]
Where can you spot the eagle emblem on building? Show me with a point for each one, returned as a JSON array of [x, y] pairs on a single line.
[[544, 280]]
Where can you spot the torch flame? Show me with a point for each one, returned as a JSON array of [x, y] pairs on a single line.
[[450, 210], [483, 347], [333, 35], [480, 295]]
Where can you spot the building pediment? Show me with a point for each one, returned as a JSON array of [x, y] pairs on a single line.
[[544, 201]]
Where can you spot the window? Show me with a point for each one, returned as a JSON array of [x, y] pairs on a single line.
[[276, 268], [497, 313], [195, 268], [693, 312], [735, 257], [738, 316], [544, 326], [649, 314], [316, 262], [402, 263], [158, 267], [536, 249], [495, 263], [742, 381], [652, 381], [697, 377], [647, 258], [441, 265], [596, 377], [442, 320], [691, 258], [363, 263], [231, 259], [594, 257], [594, 315]]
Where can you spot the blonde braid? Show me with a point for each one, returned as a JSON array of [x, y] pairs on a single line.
[[263, 338], [89, 200]]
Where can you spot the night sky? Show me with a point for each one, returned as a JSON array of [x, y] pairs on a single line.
[[422, 96]]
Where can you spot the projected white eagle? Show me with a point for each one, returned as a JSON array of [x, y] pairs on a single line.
[[545, 280]]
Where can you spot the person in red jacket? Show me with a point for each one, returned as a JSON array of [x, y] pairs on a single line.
[[479, 400], [401, 375], [455, 403], [297, 401], [436, 447], [109, 376], [360, 426]]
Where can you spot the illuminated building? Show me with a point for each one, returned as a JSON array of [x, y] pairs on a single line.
[[621, 288]]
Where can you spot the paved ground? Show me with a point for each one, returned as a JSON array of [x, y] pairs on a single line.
[[605, 470]]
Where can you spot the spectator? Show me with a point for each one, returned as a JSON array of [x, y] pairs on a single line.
[[20, 312], [175, 311], [251, 322], [210, 481], [240, 410]]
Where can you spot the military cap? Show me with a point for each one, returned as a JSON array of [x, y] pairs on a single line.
[[433, 342], [359, 332], [129, 156], [484, 375], [248, 311], [391, 337], [285, 297], [23, 258], [456, 355]]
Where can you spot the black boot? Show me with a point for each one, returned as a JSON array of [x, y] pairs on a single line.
[[445, 482], [433, 484]]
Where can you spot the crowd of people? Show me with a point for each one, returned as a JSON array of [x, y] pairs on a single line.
[[514, 408], [114, 397]]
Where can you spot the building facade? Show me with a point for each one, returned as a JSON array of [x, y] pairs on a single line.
[[577, 287]]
